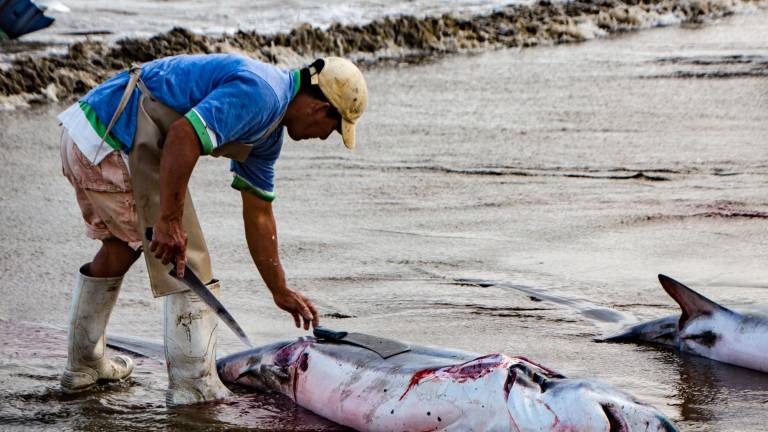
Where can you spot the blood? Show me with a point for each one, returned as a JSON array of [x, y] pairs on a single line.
[[293, 355], [290, 353], [476, 368], [556, 423], [416, 379], [471, 370], [304, 362]]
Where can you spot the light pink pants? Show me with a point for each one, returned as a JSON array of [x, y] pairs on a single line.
[[104, 193]]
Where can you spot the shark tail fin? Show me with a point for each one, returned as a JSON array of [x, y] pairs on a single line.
[[692, 303]]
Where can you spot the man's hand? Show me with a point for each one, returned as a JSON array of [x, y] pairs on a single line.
[[169, 242], [297, 305]]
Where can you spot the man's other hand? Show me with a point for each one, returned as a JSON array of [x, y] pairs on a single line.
[[299, 306], [169, 242]]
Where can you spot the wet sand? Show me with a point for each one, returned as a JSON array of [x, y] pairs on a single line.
[[517, 201]]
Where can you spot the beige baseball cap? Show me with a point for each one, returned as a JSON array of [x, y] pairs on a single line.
[[344, 86]]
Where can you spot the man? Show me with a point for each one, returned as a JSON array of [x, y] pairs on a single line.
[[129, 147]]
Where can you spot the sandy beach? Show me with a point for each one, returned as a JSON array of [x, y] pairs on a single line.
[[515, 200]]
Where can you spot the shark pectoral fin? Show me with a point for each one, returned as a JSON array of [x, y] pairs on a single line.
[[692, 303]]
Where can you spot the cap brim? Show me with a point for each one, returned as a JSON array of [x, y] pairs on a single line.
[[348, 133]]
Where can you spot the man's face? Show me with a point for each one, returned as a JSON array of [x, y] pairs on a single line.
[[318, 120]]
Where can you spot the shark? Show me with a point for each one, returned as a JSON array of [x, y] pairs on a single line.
[[705, 328], [434, 389]]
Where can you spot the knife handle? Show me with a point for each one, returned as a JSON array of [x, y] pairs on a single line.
[[326, 333], [148, 233]]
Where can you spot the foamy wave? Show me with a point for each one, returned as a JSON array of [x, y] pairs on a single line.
[[404, 38]]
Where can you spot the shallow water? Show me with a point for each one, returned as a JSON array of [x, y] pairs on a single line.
[[517, 201]]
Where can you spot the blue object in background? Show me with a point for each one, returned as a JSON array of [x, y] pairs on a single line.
[[19, 17]]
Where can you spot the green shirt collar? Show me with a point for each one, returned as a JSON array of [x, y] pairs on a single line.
[[296, 81]]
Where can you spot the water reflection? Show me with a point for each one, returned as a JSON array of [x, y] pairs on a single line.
[[709, 391], [31, 359]]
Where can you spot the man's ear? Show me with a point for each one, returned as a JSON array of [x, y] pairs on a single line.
[[322, 106]]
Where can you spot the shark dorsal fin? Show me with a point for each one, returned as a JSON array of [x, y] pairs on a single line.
[[692, 303]]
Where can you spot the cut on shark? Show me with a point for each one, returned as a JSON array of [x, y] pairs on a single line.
[[431, 389], [706, 329]]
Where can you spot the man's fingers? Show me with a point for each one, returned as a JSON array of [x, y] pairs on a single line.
[[310, 313], [296, 320], [315, 315], [164, 252], [153, 246], [167, 255], [305, 312], [315, 320], [157, 250], [181, 264]]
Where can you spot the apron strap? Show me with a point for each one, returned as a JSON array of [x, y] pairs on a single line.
[[145, 90], [134, 73]]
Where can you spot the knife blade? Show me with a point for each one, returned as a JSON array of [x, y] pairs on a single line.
[[194, 283]]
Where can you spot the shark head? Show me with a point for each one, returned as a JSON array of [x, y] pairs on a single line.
[[267, 368], [661, 331], [541, 400], [702, 323]]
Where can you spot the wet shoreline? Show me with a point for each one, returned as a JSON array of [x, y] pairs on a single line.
[[477, 213], [33, 79]]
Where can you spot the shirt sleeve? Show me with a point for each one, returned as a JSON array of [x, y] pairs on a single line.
[[254, 176], [240, 109]]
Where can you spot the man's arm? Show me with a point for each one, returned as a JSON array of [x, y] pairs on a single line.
[[261, 235], [181, 151]]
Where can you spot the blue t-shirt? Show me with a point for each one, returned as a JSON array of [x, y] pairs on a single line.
[[226, 97]]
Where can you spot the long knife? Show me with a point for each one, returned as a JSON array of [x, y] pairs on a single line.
[[194, 283]]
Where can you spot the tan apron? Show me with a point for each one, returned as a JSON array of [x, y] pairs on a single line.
[[153, 121]]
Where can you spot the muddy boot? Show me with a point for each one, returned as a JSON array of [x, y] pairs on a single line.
[[190, 350], [92, 302]]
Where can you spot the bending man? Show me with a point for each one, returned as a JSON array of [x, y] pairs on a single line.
[[129, 147]]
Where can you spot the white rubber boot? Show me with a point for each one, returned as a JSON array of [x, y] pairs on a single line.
[[92, 302], [190, 350]]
